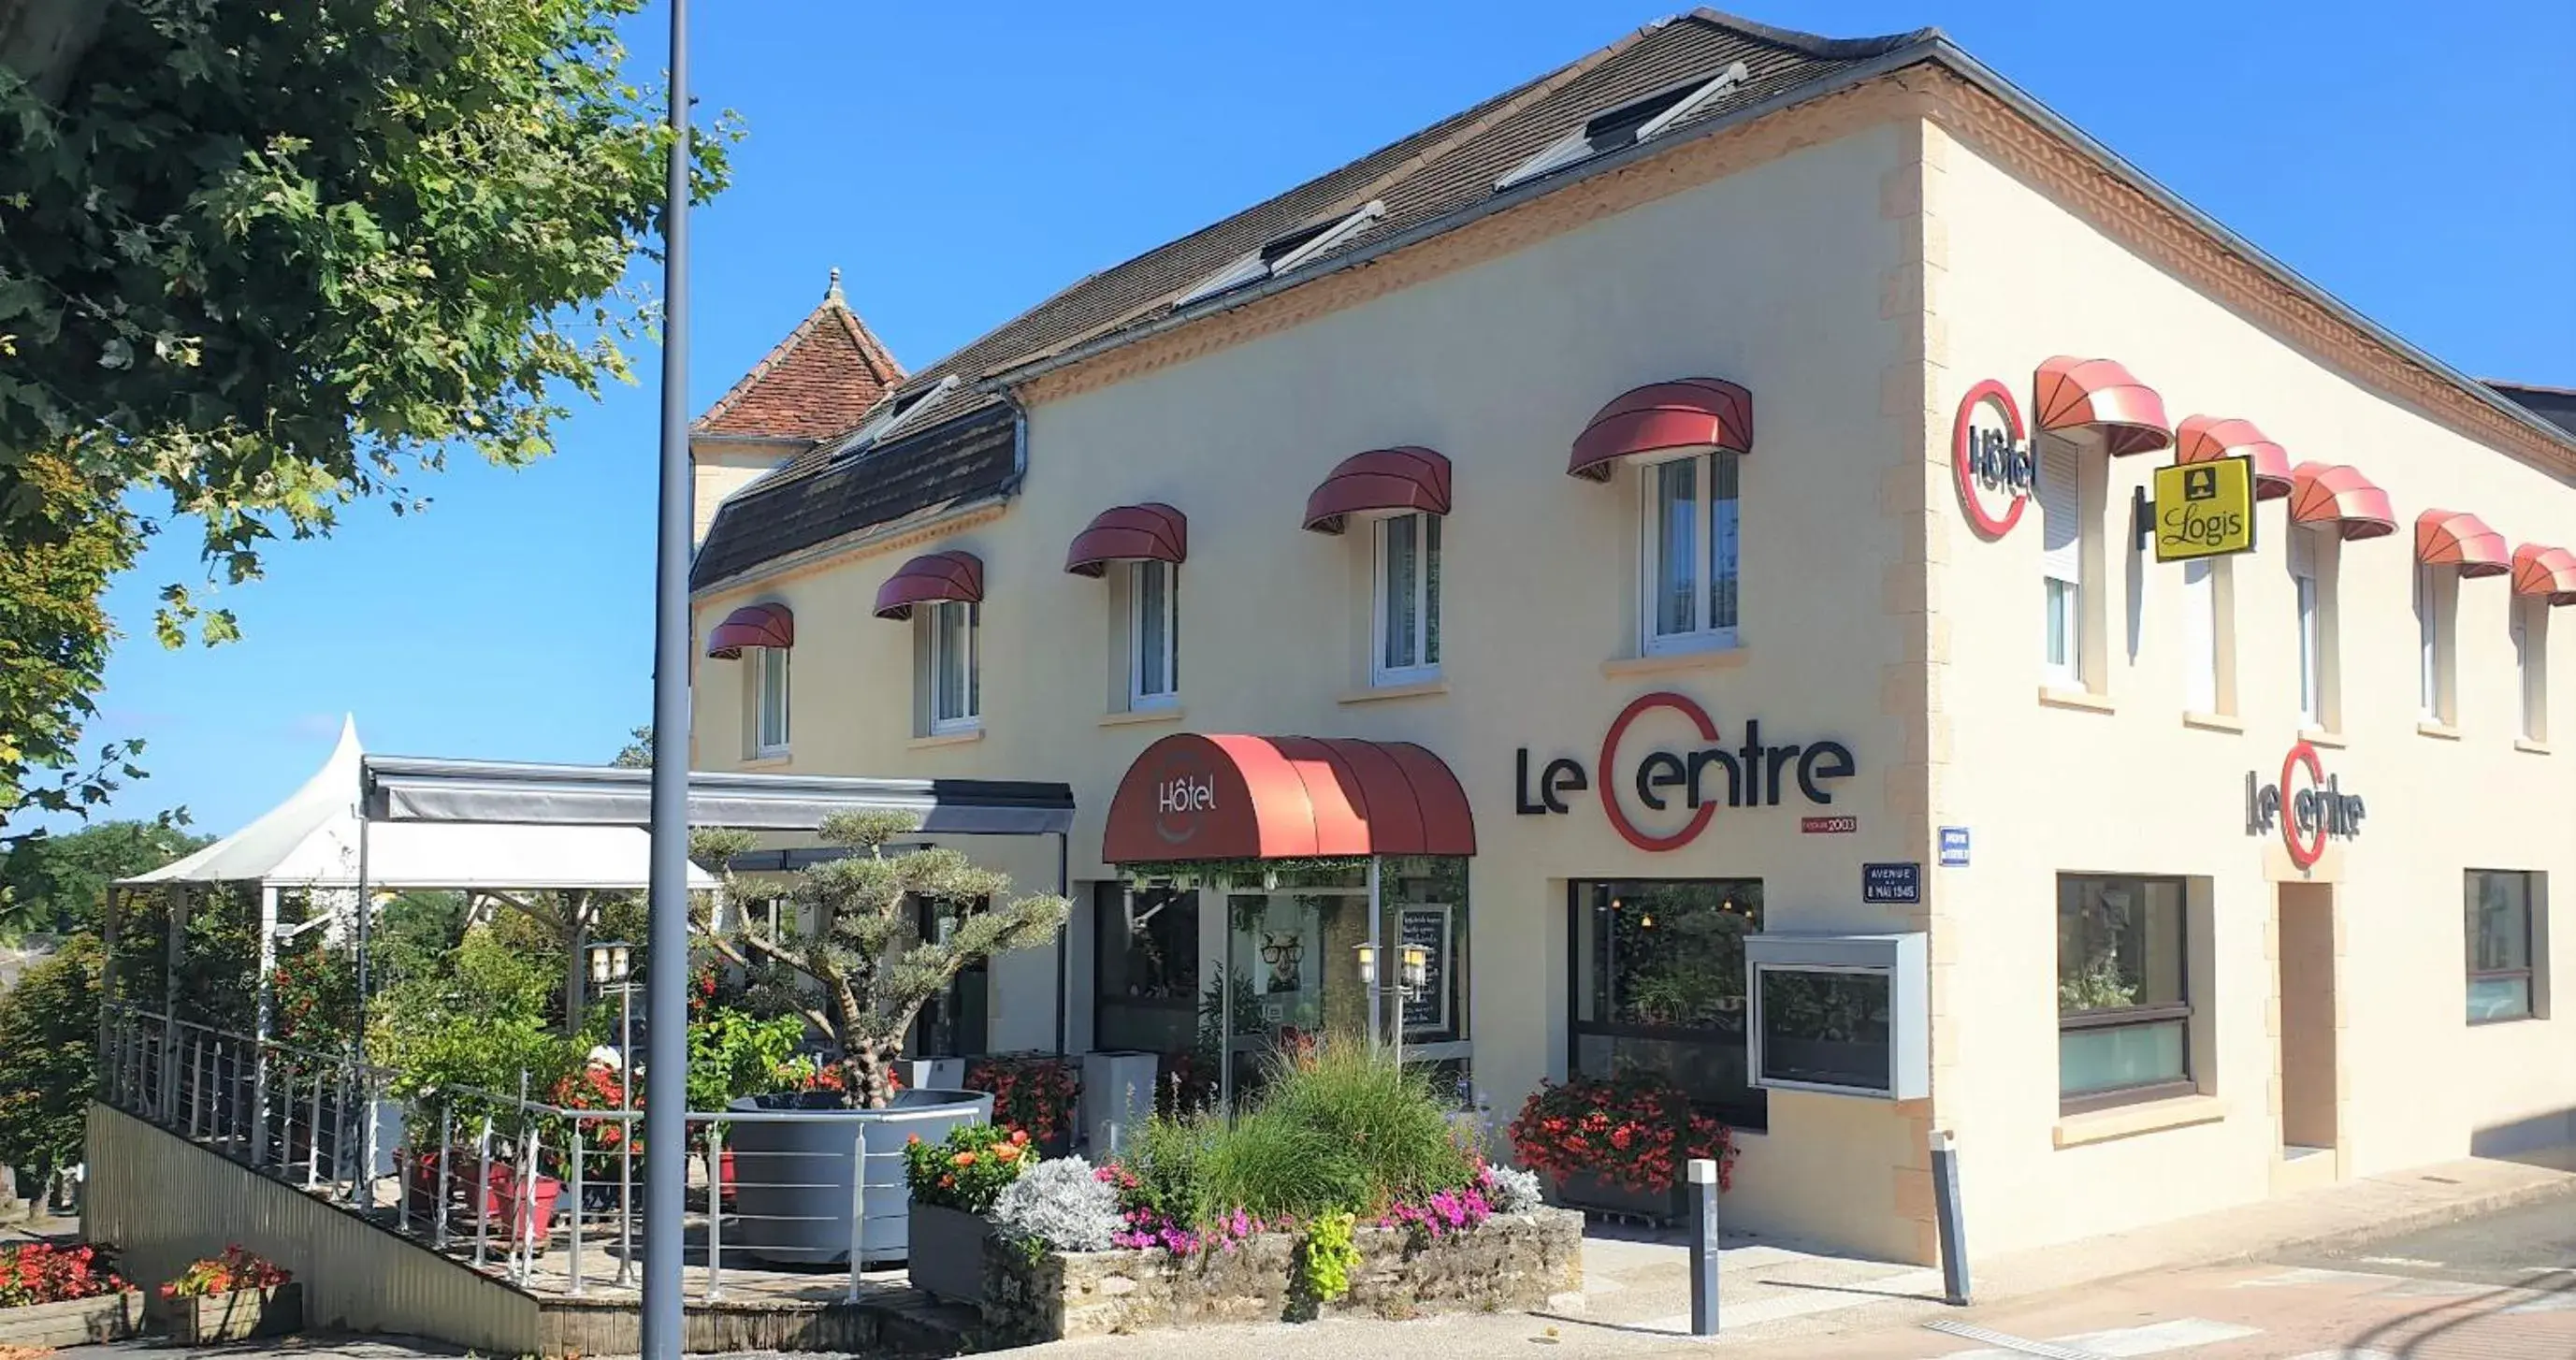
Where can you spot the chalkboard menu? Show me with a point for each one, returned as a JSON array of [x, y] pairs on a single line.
[[1427, 1010]]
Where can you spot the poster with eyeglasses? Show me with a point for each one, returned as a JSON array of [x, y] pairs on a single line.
[[1427, 1010]]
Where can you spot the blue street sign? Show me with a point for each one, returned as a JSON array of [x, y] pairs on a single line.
[[1954, 847]]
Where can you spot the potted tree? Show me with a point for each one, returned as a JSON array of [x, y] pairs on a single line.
[[872, 968]]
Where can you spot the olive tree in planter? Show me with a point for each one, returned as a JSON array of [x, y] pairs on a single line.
[[871, 970]]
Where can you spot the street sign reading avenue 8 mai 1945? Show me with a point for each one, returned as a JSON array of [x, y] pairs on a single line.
[[2204, 509]]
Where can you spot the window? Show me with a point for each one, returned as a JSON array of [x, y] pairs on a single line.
[[2531, 659], [770, 722], [2434, 626], [1146, 966], [2314, 641], [1286, 253], [2500, 940], [1690, 558], [1154, 634], [894, 413], [956, 681], [1625, 126], [2061, 564], [2123, 1004], [1658, 987], [1408, 598], [2200, 628]]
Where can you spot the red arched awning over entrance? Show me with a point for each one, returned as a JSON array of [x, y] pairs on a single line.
[[1193, 797]]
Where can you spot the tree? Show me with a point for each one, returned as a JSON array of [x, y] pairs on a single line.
[[58, 884], [637, 753], [48, 1051], [268, 260], [55, 560], [873, 967]]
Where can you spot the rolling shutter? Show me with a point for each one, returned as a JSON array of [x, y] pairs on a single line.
[[2061, 547], [2200, 636]]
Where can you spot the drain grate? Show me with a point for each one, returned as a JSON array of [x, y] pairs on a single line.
[[2007, 1341]]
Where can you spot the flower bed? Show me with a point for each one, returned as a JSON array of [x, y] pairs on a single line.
[[64, 1296], [1617, 1146], [232, 1297], [1039, 1092]]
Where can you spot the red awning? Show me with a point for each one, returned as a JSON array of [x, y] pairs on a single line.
[[753, 625], [930, 579], [2206, 439], [2539, 569], [1399, 479], [1687, 413], [2098, 394], [2458, 538], [2337, 494], [1193, 797], [1152, 532]]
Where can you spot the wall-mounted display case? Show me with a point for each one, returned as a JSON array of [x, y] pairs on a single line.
[[1841, 1014]]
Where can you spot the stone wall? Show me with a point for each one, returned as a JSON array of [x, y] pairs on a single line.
[[1512, 1261]]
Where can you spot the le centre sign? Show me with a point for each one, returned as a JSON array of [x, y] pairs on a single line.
[[1684, 779], [2306, 806]]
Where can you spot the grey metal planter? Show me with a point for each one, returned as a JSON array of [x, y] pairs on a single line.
[[793, 1155], [948, 1252]]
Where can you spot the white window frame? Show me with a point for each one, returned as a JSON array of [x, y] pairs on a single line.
[[2436, 631], [1139, 697], [1426, 602], [2308, 628], [2202, 692], [2530, 629], [1706, 558], [765, 662], [972, 718], [2061, 597]]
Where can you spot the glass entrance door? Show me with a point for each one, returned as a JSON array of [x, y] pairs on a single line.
[[1292, 972]]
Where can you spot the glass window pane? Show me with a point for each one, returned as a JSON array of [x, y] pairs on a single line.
[[1722, 558], [1148, 966], [2499, 998], [1398, 603], [2308, 699], [1431, 590], [974, 660], [2060, 599], [2119, 1056], [2119, 943], [1676, 546], [773, 698], [2499, 921], [1826, 1028], [1153, 638]]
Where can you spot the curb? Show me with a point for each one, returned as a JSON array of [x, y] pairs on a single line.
[[2430, 1216]]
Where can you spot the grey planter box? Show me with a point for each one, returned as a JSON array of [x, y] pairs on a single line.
[[74, 1322], [1601, 1195], [237, 1316], [1117, 1098], [947, 1248], [792, 1192]]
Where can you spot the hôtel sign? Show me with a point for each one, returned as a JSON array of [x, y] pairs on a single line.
[[1991, 458], [1686, 781], [2307, 806]]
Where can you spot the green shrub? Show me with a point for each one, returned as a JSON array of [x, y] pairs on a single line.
[[1381, 1128], [1165, 1168], [1271, 1164]]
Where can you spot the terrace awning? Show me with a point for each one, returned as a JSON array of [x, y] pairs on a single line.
[[1664, 417], [2071, 394], [1193, 797], [415, 789]]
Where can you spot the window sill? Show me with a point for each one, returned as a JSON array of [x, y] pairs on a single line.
[[2441, 730], [946, 739], [2529, 747], [766, 760], [2128, 1121], [2318, 736], [2058, 696], [1696, 659], [1410, 689], [1129, 717], [2214, 722]]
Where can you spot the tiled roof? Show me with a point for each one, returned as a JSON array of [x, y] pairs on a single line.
[[2557, 405], [960, 462], [814, 384]]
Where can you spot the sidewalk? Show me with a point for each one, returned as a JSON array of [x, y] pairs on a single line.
[[1776, 1300]]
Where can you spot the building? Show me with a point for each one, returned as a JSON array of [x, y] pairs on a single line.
[[2207, 879]]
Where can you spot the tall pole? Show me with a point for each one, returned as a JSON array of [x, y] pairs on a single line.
[[666, 1004]]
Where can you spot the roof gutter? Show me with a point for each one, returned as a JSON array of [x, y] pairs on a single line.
[[1933, 46]]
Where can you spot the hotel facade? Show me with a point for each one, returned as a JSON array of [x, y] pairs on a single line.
[[1398, 562]]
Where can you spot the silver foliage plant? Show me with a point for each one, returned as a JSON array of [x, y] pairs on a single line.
[[1512, 1190], [1063, 1204]]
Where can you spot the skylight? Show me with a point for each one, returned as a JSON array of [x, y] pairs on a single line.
[[1285, 253], [894, 415], [1623, 127]]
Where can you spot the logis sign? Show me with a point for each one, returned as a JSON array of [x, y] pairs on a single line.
[[2307, 806], [1658, 779]]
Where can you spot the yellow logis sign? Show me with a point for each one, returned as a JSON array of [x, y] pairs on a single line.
[[2204, 509]]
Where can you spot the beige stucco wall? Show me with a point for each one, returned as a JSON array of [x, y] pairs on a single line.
[[1857, 288], [719, 467], [2132, 787]]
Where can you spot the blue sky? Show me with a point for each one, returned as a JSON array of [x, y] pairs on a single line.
[[959, 163]]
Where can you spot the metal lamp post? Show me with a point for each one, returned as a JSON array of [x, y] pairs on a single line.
[[610, 965], [1412, 978]]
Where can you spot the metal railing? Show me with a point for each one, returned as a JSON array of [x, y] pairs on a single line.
[[485, 1177]]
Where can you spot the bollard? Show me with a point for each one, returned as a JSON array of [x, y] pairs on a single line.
[[858, 1211], [1953, 1231], [1702, 1175]]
